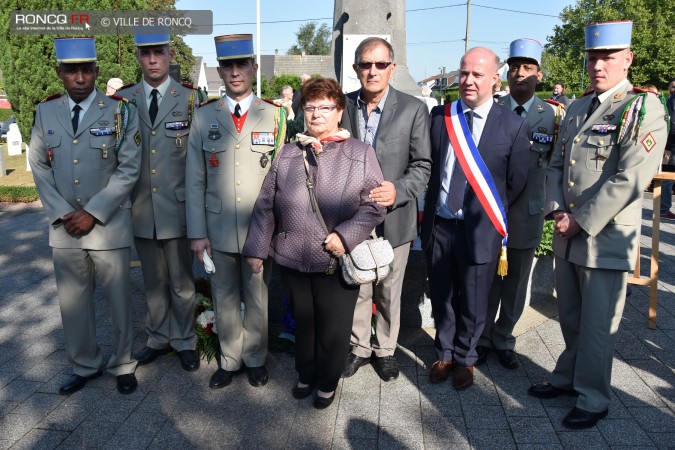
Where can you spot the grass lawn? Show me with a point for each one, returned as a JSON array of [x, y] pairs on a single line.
[[17, 184]]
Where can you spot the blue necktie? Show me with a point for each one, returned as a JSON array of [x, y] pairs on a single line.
[[458, 179]]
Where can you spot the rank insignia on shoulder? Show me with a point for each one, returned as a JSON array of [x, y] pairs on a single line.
[[53, 96], [603, 128], [542, 138], [648, 142], [187, 85], [176, 113], [272, 102], [127, 86], [176, 125], [211, 101], [137, 138]]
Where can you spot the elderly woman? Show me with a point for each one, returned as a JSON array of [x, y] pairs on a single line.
[[342, 171]]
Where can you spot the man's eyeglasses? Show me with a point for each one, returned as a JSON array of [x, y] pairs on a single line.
[[323, 109], [379, 65]]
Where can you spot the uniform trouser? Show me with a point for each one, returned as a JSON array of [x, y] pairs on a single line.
[[387, 299], [74, 269], [590, 303], [241, 340], [323, 307], [507, 294], [459, 291], [169, 292]]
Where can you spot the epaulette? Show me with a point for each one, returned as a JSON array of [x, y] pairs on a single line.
[[640, 90], [588, 92], [272, 102], [209, 101], [554, 103], [52, 97], [126, 86], [122, 99], [189, 86]]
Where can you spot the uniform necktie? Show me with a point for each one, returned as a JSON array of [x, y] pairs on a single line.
[[519, 110], [458, 179], [591, 109], [237, 111], [76, 117], [153, 106]]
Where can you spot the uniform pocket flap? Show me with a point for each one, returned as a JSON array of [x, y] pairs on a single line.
[[213, 204]]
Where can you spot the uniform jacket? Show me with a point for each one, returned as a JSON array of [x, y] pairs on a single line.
[[403, 150], [78, 176], [158, 200], [284, 225], [504, 147], [600, 180], [526, 213], [224, 172]]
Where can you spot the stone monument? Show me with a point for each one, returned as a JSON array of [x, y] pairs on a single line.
[[375, 18]]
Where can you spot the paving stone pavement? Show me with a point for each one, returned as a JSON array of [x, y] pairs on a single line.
[[175, 409]]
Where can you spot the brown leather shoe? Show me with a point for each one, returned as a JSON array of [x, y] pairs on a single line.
[[440, 371], [462, 378]]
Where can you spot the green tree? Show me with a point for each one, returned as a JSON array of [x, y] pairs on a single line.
[[652, 41], [312, 39], [28, 62]]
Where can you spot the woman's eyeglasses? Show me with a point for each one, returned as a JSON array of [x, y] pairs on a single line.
[[323, 109], [378, 65]]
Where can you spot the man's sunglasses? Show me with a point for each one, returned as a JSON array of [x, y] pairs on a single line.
[[378, 65]]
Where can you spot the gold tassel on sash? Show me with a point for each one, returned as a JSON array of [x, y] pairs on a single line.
[[503, 266]]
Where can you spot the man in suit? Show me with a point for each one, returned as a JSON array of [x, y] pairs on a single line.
[[602, 163], [231, 145], [396, 125], [165, 109], [84, 174], [526, 214], [461, 233]]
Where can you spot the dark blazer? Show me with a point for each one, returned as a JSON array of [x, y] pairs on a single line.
[[403, 150], [504, 147]]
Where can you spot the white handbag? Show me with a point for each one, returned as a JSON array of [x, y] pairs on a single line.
[[368, 262]]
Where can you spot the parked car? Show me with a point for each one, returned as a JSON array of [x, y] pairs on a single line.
[[4, 128]]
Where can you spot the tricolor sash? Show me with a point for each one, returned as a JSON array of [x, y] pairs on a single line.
[[475, 170]]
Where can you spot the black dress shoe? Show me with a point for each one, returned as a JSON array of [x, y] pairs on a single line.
[[483, 351], [507, 358], [353, 364], [302, 392], [220, 379], [189, 360], [387, 368], [579, 418], [547, 390], [148, 355], [323, 402], [126, 384], [76, 382], [257, 376]]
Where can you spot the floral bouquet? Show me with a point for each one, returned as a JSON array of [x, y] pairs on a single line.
[[205, 321]]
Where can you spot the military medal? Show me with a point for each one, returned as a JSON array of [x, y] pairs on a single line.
[[50, 154], [179, 142], [213, 161], [264, 160], [540, 161], [104, 153]]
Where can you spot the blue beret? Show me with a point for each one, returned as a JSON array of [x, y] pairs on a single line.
[[525, 48], [71, 50], [609, 35], [234, 46]]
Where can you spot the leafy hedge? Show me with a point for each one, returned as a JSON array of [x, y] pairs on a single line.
[[4, 114], [21, 194], [546, 244]]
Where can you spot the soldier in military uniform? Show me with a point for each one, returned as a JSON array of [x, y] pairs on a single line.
[[526, 214], [229, 153], [85, 157], [165, 109], [610, 146]]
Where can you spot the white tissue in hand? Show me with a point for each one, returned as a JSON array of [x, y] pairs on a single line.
[[208, 264]]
